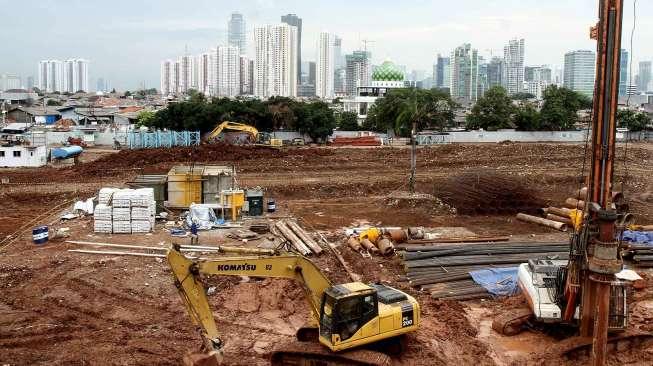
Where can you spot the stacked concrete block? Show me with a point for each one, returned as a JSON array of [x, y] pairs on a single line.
[[125, 211]]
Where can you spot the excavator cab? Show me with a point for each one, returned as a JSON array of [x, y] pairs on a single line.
[[355, 314], [341, 318]]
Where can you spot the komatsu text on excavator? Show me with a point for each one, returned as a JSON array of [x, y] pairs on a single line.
[[345, 317]]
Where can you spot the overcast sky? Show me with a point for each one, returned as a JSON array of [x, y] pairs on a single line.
[[125, 40]]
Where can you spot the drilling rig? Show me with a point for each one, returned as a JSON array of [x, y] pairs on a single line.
[[584, 291]]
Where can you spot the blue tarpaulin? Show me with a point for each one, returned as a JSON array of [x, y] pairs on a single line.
[[640, 237], [497, 281]]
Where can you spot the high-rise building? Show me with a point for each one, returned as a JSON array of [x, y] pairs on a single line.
[[295, 21], [440, 74], [185, 74], [339, 60], [513, 55], [623, 74], [340, 81], [644, 78], [228, 71], [237, 32], [75, 76], [495, 72], [537, 79], [203, 72], [483, 84], [167, 87], [51, 76], [99, 85], [10, 81], [358, 71], [312, 73], [464, 73], [579, 71], [275, 61], [245, 75], [175, 83], [30, 83], [325, 66]]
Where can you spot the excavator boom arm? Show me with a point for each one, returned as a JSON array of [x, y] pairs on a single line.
[[187, 279]]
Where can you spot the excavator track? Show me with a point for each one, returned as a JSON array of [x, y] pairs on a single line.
[[512, 323], [315, 354]]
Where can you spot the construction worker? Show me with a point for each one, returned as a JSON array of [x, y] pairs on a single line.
[[194, 237]]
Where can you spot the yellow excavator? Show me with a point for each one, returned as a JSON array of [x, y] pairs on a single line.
[[345, 318], [253, 135]]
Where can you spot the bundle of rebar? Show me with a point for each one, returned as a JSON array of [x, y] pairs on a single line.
[[444, 270], [488, 193]]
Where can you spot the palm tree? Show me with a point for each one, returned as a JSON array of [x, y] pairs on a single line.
[[414, 110]]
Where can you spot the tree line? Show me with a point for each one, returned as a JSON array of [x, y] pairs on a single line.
[[198, 113], [399, 110]]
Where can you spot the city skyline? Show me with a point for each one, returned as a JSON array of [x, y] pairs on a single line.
[[124, 48]]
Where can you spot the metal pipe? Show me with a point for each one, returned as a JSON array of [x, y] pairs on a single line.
[[581, 194], [397, 235], [354, 244], [385, 246], [562, 212], [369, 246], [574, 203], [544, 222], [564, 220]]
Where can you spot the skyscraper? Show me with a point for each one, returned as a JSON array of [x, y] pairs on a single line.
[[75, 76], [623, 74], [166, 78], [579, 71], [294, 20], [99, 85], [339, 60], [237, 32], [228, 71], [312, 73], [275, 61], [464, 73], [185, 81], [513, 55], [440, 74], [10, 81], [30, 83], [495, 72], [203, 71], [358, 71], [325, 66], [644, 78], [245, 78], [175, 82]]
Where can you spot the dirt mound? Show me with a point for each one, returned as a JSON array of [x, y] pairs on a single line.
[[486, 192], [197, 154]]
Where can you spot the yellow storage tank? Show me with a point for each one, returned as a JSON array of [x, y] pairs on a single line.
[[185, 185]]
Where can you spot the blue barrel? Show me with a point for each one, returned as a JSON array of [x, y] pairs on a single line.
[[40, 234], [272, 206]]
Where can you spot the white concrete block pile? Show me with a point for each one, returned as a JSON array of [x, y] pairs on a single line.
[[125, 211]]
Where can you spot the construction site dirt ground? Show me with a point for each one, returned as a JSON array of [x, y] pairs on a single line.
[[59, 307]]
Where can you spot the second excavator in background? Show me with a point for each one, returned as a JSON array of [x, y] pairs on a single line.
[[241, 134]]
